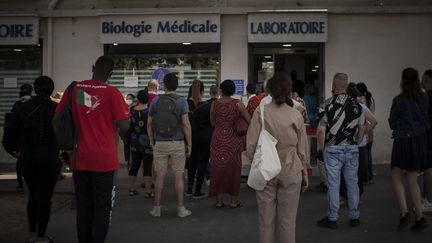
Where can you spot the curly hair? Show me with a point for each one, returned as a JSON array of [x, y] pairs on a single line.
[[280, 88]]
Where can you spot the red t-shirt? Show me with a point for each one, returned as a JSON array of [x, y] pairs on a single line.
[[152, 95], [96, 106]]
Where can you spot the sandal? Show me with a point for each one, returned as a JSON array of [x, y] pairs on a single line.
[[237, 205], [149, 194], [133, 193], [219, 205]]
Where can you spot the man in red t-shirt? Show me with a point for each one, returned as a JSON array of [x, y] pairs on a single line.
[[98, 109], [152, 90]]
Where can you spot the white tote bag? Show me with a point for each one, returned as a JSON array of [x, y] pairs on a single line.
[[266, 163]]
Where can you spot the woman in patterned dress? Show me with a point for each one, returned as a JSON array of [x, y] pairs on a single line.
[[226, 146]]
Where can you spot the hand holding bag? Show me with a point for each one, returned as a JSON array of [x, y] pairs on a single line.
[[266, 163]]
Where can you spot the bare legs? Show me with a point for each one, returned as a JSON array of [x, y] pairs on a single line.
[[397, 176], [427, 186], [179, 187]]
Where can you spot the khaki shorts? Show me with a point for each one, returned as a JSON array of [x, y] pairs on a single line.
[[171, 153]]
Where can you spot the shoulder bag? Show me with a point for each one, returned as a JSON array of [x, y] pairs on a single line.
[[266, 163]]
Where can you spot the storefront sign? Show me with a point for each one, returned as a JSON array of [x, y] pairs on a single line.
[[239, 84], [196, 28], [287, 27], [19, 30]]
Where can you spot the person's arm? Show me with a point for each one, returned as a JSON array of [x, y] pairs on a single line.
[[371, 121], [123, 126], [394, 115], [372, 105], [361, 127], [188, 133], [150, 130], [303, 152], [321, 130], [252, 136], [244, 112], [212, 121]]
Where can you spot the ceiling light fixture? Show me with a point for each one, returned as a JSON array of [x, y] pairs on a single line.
[[186, 43], [115, 44], [17, 49], [286, 45]]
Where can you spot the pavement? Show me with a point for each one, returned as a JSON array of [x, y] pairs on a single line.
[[132, 223]]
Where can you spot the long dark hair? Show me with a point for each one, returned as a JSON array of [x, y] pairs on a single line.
[[362, 88], [196, 91], [43, 86], [410, 85]]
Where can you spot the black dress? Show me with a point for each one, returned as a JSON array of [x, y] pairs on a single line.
[[408, 121]]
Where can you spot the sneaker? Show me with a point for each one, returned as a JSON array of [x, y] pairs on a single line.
[[156, 211], [419, 224], [426, 206], [189, 193], [327, 223], [354, 222], [404, 222], [183, 212], [200, 195], [208, 182]]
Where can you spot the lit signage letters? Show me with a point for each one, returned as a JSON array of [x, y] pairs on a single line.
[[19, 30], [287, 27], [16, 30], [137, 30], [194, 28]]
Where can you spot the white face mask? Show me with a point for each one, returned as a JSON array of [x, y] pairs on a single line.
[[129, 102]]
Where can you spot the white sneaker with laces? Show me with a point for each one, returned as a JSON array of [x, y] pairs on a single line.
[[182, 212], [427, 206], [156, 211]]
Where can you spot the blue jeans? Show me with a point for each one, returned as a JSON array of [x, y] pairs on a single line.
[[337, 159]]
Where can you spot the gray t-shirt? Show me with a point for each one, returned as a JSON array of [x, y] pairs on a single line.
[[183, 108]]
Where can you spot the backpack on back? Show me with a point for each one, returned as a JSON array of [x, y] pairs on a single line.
[[165, 117], [63, 124]]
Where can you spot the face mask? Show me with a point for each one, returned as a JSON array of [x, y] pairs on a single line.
[[129, 102]]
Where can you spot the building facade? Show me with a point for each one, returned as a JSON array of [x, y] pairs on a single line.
[[213, 40]]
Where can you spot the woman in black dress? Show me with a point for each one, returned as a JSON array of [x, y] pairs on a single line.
[[409, 122]]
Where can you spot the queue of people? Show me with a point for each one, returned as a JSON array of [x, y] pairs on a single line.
[[162, 131]]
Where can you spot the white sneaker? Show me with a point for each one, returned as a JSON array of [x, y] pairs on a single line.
[[156, 211], [427, 206], [183, 212]]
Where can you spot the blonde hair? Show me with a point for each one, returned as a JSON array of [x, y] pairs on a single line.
[[197, 91]]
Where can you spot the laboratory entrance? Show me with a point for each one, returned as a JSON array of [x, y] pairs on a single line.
[[303, 62]]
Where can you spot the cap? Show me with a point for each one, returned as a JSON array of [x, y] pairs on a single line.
[[26, 87]]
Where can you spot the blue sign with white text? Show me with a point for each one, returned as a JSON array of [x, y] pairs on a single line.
[[239, 86]]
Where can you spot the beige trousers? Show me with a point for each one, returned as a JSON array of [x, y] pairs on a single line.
[[277, 209]]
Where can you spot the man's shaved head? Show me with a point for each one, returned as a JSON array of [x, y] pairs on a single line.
[[102, 68], [340, 82]]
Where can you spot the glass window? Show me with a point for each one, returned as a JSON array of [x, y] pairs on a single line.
[[196, 61], [20, 63]]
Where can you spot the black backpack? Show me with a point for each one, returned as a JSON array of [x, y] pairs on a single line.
[[63, 124], [165, 115]]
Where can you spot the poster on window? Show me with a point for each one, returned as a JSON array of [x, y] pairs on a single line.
[[131, 81]]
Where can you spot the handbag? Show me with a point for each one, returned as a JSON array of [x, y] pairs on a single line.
[[266, 163]]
